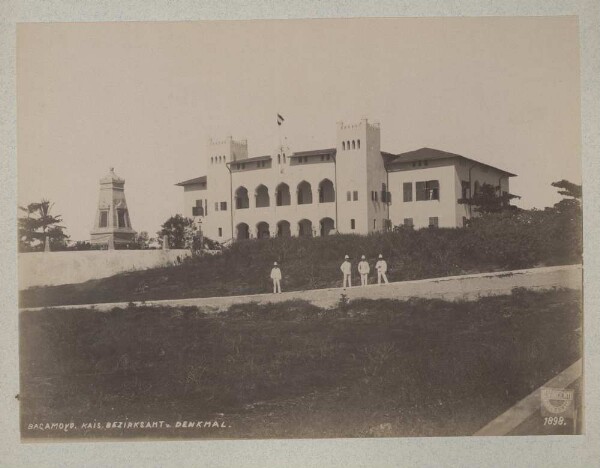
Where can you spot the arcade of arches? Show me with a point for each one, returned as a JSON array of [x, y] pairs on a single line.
[[283, 228]]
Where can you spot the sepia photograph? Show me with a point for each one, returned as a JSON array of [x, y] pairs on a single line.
[[300, 229]]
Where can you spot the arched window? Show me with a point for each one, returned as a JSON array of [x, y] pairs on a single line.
[[344, 145], [305, 228], [262, 230], [212, 159], [304, 193], [353, 144], [348, 144], [476, 188], [284, 229], [358, 144], [326, 191], [282, 194], [326, 226], [241, 198], [243, 231], [261, 195]]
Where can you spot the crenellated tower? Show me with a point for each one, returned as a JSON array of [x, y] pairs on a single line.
[[360, 175]]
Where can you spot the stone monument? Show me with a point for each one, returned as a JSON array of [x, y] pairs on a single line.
[[112, 225]]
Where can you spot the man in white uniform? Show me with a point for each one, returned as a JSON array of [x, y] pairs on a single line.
[[381, 267], [363, 269], [347, 272], [276, 277]]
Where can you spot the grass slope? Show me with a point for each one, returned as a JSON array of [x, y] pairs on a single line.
[[306, 263], [367, 368]]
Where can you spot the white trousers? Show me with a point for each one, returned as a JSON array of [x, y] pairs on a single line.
[[363, 279], [380, 275], [347, 280], [276, 286]]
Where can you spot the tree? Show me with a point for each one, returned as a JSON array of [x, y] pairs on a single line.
[[38, 225], [570, 206], [487, 200], [142, 240], [179, 230], [569, 189]]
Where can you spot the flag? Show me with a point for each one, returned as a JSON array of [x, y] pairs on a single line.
[[280, 119]]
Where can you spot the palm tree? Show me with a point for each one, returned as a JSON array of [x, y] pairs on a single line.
[[40, 226]]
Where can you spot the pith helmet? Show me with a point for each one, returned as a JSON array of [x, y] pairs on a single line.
[[362, 257], [346, 257], [275, 263], [380, 256]]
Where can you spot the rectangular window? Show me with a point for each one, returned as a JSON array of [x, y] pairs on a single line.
[[220, 232], [433, 222], [216, 206], [198, 209], [355, 195], [375, 195], [223, 206], [428, 190], [352, 224], [374, 224], [121, 218], [408, 222], [433, 189], [103, 219], [407, 191], [464, 221], [465, 189], [349, 195]]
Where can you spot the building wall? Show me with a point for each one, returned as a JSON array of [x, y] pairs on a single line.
[[420, 211], [314, 171], [192, 193], [221, 152], [480, 174], [358, 167], [351, 176]]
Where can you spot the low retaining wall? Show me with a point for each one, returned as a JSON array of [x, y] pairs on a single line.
[[54, 268], [452, 288]]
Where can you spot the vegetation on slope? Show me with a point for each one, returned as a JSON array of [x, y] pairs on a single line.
[[494, 242]]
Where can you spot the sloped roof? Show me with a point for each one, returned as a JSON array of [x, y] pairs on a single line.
[[253, 159], [317, 152], [430, 154], [197, 180]]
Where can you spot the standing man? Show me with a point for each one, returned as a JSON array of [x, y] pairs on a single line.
[[363, 269], [276, 277], [381, 267], [347, 272]]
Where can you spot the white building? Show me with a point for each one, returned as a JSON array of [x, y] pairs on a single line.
[[353, 187]]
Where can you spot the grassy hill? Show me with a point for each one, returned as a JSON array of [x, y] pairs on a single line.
[[308, 263]]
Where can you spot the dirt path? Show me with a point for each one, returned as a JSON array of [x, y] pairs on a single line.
[[464, 287]]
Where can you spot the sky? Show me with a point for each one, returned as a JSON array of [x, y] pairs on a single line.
[[145, 98]]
